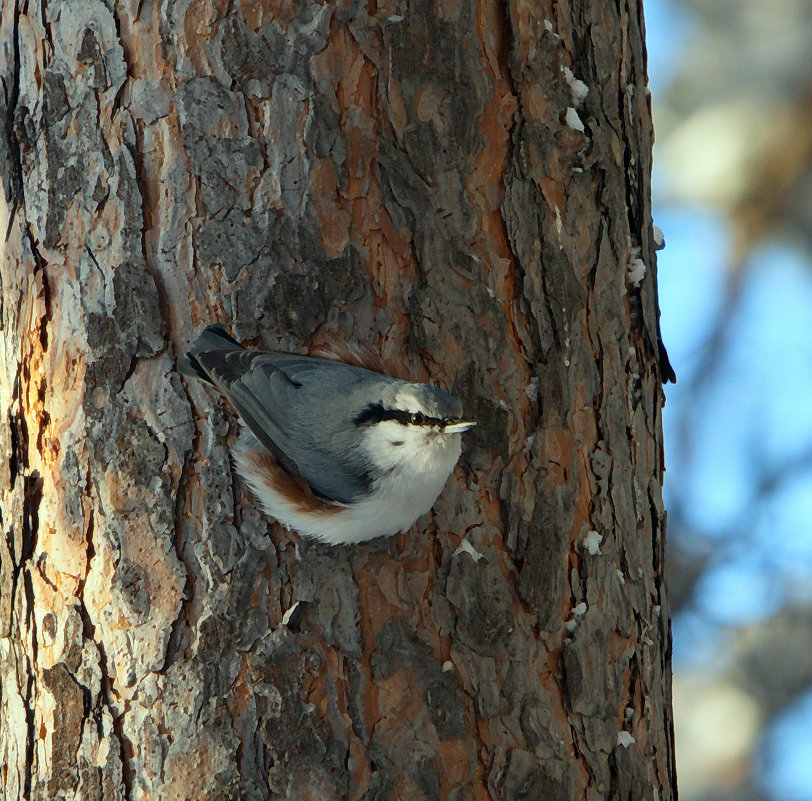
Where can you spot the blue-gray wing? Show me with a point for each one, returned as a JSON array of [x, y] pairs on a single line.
[[302, 409]]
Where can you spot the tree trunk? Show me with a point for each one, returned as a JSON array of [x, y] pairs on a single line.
[[429, 180]]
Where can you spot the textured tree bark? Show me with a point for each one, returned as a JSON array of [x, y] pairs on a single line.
[[429, 179]]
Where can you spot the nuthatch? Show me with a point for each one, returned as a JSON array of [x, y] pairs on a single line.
[[334, 451]]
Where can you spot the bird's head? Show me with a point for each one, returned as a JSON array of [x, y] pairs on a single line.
[[415, 424]]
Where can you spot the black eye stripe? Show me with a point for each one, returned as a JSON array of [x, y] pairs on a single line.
[[375, 413]]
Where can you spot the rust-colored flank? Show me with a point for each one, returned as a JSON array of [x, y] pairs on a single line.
[[293, 489]]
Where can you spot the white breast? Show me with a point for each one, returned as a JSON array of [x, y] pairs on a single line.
[[411, 486]]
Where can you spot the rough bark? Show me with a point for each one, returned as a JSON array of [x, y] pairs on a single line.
[[412, 177]]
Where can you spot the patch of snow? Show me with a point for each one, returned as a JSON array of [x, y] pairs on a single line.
[[289, 614], [578, 612], [592, 543], [636, 271], [578, 88], [573, 120], [466, 547]]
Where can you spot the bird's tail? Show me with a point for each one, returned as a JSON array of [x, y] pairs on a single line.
[[214, 337]]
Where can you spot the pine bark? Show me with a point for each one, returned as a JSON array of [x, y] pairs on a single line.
[[427, 179]]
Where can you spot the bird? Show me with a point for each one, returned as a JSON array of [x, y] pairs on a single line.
[[334, 451]]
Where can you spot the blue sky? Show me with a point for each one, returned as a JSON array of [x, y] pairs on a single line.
[[752, 416]]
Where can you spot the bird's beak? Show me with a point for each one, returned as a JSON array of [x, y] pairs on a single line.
[[458, 428]]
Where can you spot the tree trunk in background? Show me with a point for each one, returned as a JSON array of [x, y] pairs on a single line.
[[428, 180]]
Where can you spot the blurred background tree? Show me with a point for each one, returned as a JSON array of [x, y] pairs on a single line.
[[732, 87]]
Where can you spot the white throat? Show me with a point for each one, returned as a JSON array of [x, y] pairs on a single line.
[[414, 471]]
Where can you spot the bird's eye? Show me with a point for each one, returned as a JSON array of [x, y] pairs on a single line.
[[417, 418]]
